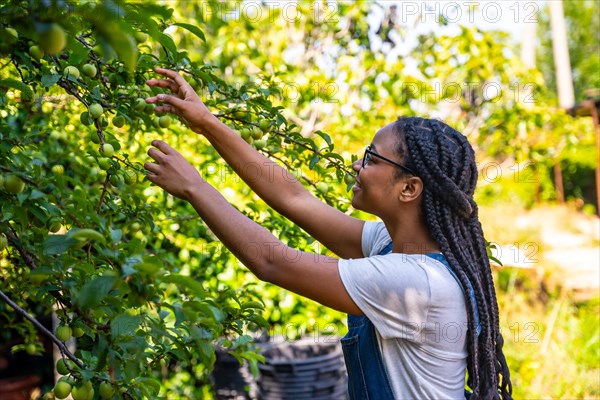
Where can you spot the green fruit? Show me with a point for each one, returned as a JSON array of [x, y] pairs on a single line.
[[106, 390], [77, 332], [61, 367], [1, 181], [348, 179], [71, 71], [89, 70], [54, 40], [239, 114], [104, 163], [107, 150], [14, 35], [140, 104], [31, 349], [135, 227], [141, 37], [63, 333], [94, 138], [164, 121], [264, 125], [149, 108], [13, 184], [260, 144], [81, 393], [257, 133], [36, 53], [96, 110], [116, 180], [85, 119], [130, 177], [322, 187], [58, 169], [246, 133], [55, 226], [62, 389], [118, 121], [3, 241]]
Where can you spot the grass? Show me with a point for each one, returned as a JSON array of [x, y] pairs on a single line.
[[552, 339]]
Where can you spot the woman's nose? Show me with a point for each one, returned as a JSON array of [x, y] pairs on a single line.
[[357, 165]]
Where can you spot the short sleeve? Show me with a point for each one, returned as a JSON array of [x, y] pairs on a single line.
[[374, 238], [391, 290]]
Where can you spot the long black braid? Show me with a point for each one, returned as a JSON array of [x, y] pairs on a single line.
[[443, 158]]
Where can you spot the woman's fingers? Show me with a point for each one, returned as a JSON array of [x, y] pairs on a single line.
[[166, 109], [162, 146], [155, 155], [173, 75], [151, 167], [164, 83]]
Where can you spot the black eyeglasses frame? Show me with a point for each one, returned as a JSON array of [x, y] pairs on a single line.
[[369, 153]]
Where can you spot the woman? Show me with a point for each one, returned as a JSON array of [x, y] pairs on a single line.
[[417, 286]]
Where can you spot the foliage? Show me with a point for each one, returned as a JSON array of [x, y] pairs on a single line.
[[151, 288], [145, 285], [583, 35]]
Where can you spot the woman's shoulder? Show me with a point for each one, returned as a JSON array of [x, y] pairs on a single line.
[[374, 238]]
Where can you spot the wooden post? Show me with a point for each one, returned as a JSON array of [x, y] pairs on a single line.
[[594, 111]]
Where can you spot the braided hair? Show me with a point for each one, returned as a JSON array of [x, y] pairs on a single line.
[[444, 160]]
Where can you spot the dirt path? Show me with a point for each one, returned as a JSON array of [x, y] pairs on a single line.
[[564, 241]]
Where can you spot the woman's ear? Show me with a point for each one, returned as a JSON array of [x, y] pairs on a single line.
[[411, 189]]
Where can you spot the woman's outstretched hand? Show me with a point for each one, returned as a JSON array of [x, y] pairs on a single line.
[[171, 171], [183, 102]]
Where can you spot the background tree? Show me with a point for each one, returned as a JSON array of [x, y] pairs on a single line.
[[133, 272]]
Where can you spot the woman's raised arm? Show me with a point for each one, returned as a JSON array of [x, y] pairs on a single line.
[[276, 186], [311, 275]]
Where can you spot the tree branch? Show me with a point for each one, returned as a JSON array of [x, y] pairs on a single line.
[[104, 188], [61, 346]]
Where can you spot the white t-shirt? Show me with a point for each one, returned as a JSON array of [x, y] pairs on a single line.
[[419, 313]]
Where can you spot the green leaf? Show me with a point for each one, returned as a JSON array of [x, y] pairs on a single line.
[[25, 90], [58, 244], [186, 282], [168, 43], [216, 313], [124, 324], [192, 28], [252, 304], [242, 340], [36, 194], [94, 291], [150, 386], [313, 162], [325, 137], [50, 79]]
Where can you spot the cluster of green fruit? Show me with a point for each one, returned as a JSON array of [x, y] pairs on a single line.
[[68, 385], [52, 41], [71, 383], [255, 134]]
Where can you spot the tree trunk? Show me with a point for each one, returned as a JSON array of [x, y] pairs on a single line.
[[558, 182], [562, 61]]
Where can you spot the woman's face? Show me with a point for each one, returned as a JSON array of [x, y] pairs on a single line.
[[376, 183]]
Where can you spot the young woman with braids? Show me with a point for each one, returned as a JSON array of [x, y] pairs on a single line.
[[417, 286]]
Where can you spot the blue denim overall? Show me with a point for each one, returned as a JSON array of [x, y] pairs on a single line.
[[367, 376]]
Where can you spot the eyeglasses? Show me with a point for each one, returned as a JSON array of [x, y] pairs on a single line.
[[370, 154]]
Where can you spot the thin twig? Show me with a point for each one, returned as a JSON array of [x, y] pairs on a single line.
[[104, 189], [63, 349]]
